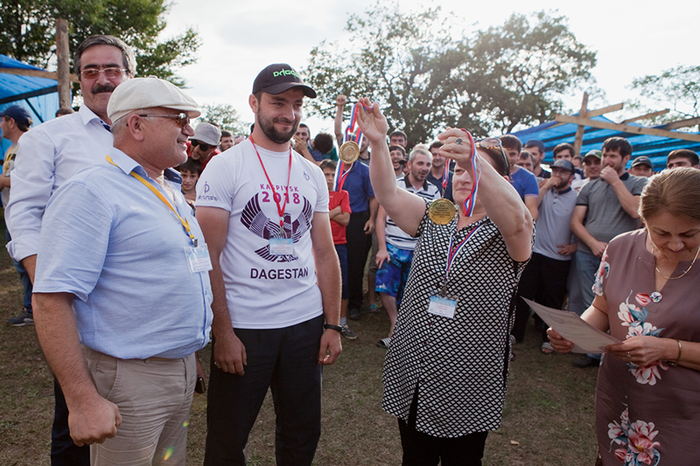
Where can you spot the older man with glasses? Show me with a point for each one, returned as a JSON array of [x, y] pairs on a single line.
[[50, 154], [122, 295], [203, 145]]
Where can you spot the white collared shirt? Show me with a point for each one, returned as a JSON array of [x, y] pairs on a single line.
[[47, 156]]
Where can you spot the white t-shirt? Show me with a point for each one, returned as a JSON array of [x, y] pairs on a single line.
[[266, 291]]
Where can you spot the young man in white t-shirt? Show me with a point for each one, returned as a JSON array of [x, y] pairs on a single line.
[[263, 209]]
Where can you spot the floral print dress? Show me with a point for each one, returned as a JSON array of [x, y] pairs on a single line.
[[647, 415]]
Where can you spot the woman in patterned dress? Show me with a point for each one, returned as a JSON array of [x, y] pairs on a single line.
[[648, 395], [446, 369]]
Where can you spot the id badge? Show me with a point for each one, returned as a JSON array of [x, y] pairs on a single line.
[[198, 258], [444, 307], [282, 246]]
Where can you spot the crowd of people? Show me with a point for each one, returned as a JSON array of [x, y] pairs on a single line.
[[140, 238]]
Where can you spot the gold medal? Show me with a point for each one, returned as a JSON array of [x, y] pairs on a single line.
[[349, 152], [442, 211]]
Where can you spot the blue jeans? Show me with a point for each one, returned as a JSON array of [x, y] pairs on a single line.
[[587, 266], [24, 276], [342, 251]]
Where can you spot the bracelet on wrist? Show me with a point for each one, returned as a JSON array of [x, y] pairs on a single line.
[[337, 328], [678, 359]]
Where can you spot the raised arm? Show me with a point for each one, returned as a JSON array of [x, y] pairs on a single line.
[[499, 198], [405, 209], [340, 102], [627, 200]]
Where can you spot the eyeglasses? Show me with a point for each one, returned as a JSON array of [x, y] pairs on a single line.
[[110, 73], [493, 144], [201, 145], [182, 119]]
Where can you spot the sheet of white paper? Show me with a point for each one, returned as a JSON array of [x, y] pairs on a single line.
[[586, 338]]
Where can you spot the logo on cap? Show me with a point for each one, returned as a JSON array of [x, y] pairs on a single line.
[[285, 73]]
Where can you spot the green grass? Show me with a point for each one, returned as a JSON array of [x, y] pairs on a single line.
[[548, 419]]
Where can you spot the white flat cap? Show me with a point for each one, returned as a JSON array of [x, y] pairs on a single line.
[[138, 93]]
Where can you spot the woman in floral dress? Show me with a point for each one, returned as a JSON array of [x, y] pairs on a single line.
[[648, 296]]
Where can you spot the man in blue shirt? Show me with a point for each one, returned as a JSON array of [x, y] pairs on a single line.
[[122, 293], [522, 180]]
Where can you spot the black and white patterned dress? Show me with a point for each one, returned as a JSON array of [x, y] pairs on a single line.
[[459, 365]]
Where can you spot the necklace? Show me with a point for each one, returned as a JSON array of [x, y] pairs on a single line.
[[681, 275]]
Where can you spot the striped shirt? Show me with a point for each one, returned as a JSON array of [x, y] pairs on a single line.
[[395, 235]]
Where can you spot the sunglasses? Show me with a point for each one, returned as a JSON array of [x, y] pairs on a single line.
[[201, 145], [493, 144], [182, 119]]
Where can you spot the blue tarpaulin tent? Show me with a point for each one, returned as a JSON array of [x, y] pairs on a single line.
[[654, 147], [38, 95]]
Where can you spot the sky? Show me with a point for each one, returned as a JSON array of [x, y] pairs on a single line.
[[240, 38]]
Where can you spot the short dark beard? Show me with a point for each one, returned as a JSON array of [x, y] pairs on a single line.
[[268, 128]]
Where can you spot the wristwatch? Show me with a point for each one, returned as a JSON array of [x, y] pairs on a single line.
[[337, 328]]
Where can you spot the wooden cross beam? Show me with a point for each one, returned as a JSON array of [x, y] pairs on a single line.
[[645, 116], [583, 121], [36, 73]]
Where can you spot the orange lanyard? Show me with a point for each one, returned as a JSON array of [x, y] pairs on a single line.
[[155, 191]]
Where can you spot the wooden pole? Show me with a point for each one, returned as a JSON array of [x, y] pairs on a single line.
[[63, 54], [583, 113]]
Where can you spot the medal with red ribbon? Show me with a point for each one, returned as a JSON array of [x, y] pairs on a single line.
[[350, 150]]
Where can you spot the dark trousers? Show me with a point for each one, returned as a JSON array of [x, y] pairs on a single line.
[[420, 449], [544, 281], [64, 452], [285, 360], [359, 245]]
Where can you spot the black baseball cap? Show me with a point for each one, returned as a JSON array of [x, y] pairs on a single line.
[[563, 163], [278, 78], [17, 113], [642, 160]]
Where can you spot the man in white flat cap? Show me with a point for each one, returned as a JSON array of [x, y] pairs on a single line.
[[122, 293], [48, 155]]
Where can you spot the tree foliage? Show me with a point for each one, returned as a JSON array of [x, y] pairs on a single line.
[[425, 78], [676, 88], [29, 29], [225, 117]]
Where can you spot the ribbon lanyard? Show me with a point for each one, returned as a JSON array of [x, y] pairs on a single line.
[[9, 158], [444, 177], [470, 201], [280, 209], [339, 179], [351, 133], [452, 253], [155, 191]]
